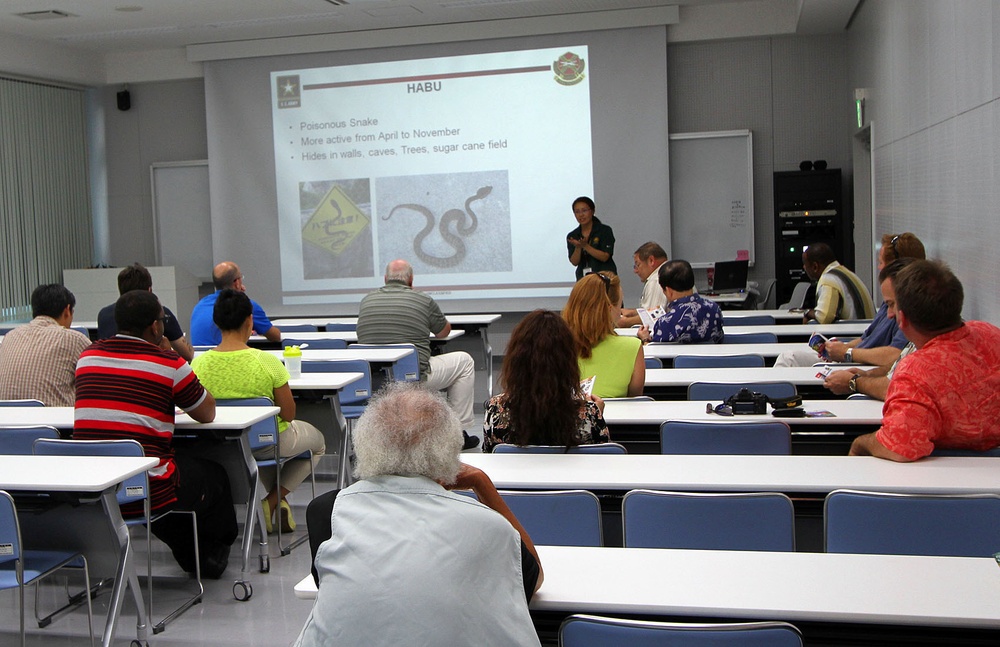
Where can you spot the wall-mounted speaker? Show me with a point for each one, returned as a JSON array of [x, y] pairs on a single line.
[[124, 100]]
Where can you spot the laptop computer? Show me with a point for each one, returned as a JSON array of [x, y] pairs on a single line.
[[730, 276]]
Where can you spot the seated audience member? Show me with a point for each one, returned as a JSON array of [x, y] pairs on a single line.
[[617, 362], [433, 566], [38, 359], [204, 332], [646, 263], [137, 277], [874, 382], [840, 294], [882, 341], [127, 387], [233, 370], [542, 403], [690, 317], [945, 394]]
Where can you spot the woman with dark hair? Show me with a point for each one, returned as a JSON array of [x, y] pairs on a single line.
[[233, 370], [617, 362], [592, 244], [542, 402]]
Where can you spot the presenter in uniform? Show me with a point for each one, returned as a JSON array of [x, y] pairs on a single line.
[[592, 244]]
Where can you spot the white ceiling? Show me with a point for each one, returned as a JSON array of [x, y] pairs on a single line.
[[115, 26]]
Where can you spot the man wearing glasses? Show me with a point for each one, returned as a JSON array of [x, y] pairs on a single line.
[[204, 332], [646, 263]]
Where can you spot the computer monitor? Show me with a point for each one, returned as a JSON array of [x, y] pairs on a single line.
[[730, 276]]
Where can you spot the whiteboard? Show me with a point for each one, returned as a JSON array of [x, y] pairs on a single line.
[[711, 196], [182, 216]]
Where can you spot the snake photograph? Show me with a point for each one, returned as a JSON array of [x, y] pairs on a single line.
[[458, 216]]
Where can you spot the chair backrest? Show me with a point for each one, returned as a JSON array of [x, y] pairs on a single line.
[[798, 298], [321, 344], [912, 524], [594, 631], [744, 438], [264, 433], [563, 518], [22, 403], [298, 328], [133, 489], [711, 391], [653, 362], [334, 326], [741, 521], [356, 392], [749, 320], [18, 440], [406, 369], [718, 361], [599, 448], [750, 338], [10, 532], [963, 452]]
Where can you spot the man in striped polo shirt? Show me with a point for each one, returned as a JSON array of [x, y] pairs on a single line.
[[840, 294], [127, 388], [398, 314]]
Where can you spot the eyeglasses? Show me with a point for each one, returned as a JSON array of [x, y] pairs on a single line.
[[892, 243], [722, 409], [607, 282]]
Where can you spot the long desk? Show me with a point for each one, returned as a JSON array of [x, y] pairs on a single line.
[[668, 351], [81, 527], [786, 332], [350, 336], [823, 594], [672, 383], [232, 421], [636, 422], [781, 316]]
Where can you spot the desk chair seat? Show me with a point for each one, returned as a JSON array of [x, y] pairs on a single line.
[[749, 320], [316, 344], [750, 338], [594, 631], [912, 524], [719, 391], [19, 440], [298, 328], [597, 448], [338, 326], [406, 369], [264, 435], [27, 402], [742, 521], [653, 362], [773, 438], [132, 490], [20, 567], [799, 295], [718, 361], [354, 398], [560, 518]]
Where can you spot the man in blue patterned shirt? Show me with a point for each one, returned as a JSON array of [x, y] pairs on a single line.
[[690, 318]]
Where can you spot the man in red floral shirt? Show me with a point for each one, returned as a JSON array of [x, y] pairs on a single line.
[[946, 394]]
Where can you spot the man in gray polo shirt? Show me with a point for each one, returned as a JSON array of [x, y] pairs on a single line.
[[398, 314]]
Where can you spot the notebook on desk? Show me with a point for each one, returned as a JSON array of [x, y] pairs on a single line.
[[730, 276]]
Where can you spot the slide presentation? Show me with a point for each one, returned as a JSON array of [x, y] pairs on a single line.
[[466, 166]]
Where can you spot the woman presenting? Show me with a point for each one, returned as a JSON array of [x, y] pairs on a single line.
[[592, 244]]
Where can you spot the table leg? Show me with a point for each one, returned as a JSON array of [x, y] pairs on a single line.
[[344, 477], [254, 517], [124, 576]]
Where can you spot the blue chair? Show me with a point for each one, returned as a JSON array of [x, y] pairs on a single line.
[[18, 440], [82, 330], [742, 521], [749, 320], [912, 524], [264, 435], [963, 452], [711, 391], [27, 402], [321, 344], [335, 326], [562, 518], [595, 631], [599, 448], [406, 369], [718, 361], [132, 490], [354, 398], [20, 567], [750, 338], [743, 438], [298, 328], [653, 362]]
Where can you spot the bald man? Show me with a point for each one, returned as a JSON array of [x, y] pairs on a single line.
[[204, 332]]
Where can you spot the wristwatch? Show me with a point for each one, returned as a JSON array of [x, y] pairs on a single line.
[[849, 355], [853, 384]]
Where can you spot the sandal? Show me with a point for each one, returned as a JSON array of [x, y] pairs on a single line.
[[268, 516], [285, 514]]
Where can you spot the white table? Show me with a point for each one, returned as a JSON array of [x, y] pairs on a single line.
[[350, 336], [670, 350], [78, 527], [673, 382], [786, 332], [330, 385], [640, 412], [780, 316], [701, 473], [232, 420]]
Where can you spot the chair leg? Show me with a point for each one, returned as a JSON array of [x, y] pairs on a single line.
[[160, 626]]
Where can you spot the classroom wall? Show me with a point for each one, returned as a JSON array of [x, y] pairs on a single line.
[[932, 70], [791, 91]]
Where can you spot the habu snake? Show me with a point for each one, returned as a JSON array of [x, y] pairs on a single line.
[[452, 215]]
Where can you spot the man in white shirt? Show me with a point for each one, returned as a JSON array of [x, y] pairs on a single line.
[[646, 264]]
